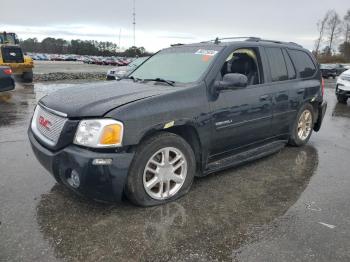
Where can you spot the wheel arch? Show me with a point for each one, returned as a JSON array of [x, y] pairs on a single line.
[[189, 133]]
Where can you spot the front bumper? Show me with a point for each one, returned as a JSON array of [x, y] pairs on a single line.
[[111, 77], [100, 182], [343, 89]]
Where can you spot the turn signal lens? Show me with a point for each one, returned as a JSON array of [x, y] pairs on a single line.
[[111, 135]]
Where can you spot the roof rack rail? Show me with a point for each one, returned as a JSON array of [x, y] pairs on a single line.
[[247, 38], [250, 38], [279, 42], [178, 44]]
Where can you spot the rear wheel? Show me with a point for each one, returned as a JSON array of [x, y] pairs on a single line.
[[302, 128], [162, 170], [342, 99], [27, 77]]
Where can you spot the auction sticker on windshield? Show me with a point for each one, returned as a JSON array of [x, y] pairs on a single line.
[[206, 52]]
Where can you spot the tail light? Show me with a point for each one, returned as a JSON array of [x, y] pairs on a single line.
[[322, 86], [7, 71]]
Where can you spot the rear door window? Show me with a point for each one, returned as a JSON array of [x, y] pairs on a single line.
[[290, 67], [303, 63], [277, 64]]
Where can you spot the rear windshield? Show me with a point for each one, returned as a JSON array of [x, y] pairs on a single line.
[[183, 64]]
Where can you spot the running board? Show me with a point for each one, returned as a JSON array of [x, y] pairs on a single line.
[[245, 157]]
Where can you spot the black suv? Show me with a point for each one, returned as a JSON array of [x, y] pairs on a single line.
[[187, 111]]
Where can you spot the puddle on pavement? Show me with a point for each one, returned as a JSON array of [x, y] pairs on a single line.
[[15, 105], [214, 219]]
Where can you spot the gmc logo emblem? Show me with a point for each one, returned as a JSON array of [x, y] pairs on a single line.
[[12, 54], [44, 123]]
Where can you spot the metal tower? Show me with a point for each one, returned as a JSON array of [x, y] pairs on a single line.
[[134, 22]]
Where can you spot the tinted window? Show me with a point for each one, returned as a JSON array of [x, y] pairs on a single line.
[[277, 64], [290, 67], [303, 63]]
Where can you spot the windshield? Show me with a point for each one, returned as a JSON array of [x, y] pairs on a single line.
[[10, 38], [137, 62], [179, 64]]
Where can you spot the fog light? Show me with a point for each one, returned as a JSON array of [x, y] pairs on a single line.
[[102, 161], [74, 179]]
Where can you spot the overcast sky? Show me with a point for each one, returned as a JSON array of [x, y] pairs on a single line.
[[163, 22]]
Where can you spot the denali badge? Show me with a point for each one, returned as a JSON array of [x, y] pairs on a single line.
[[44, 122]]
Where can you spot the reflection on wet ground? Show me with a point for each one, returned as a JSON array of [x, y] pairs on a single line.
[[341, 110], [215, 216], [269, 210]]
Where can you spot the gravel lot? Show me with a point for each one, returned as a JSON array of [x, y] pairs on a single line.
[[60, 70], [291, 206]]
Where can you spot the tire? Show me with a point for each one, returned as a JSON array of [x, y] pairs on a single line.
[[342, 99], [136, 190], [295, 138], [27, 77]]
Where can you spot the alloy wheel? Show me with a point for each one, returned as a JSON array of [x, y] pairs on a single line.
[[304, 125], [165, 173]]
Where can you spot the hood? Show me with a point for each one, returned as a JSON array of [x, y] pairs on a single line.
[[347, 72], [95, 100]]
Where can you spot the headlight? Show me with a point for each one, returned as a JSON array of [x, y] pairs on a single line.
[[99, 133], [345, 77]]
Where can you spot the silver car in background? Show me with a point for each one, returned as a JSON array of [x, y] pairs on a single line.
[[122, 71], [342, 89]]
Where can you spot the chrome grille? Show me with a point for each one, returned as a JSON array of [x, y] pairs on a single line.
[[47, 126]]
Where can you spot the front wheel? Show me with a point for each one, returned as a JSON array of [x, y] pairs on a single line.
[[302, 128], [342, 99], [162, 170]]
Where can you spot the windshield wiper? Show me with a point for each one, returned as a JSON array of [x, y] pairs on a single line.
[[135, 79], [169, 82]]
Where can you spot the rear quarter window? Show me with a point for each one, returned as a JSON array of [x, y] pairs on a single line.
[[303, 63]]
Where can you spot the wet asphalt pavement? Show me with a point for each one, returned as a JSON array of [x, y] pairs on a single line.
[[291, 206]]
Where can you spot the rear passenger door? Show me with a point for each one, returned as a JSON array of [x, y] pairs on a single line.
[[283, 80], [307, 85]]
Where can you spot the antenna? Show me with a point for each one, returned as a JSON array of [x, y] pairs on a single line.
[[134, 22]]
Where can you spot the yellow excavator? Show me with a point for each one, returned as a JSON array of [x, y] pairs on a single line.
[[12, 55]]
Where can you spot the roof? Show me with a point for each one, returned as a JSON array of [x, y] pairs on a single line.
[[233, 40]]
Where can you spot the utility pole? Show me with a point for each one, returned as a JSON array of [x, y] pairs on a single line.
[[120, 32], [134, 22]]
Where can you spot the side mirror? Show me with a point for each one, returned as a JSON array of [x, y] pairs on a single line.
[[232, 81]]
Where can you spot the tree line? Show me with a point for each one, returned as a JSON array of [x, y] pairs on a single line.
[[51, 45], [333, 42]]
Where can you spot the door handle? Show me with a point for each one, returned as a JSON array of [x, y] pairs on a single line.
[[264, 97], [301, 91]]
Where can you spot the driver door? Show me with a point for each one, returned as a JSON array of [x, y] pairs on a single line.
[[241, 117]]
